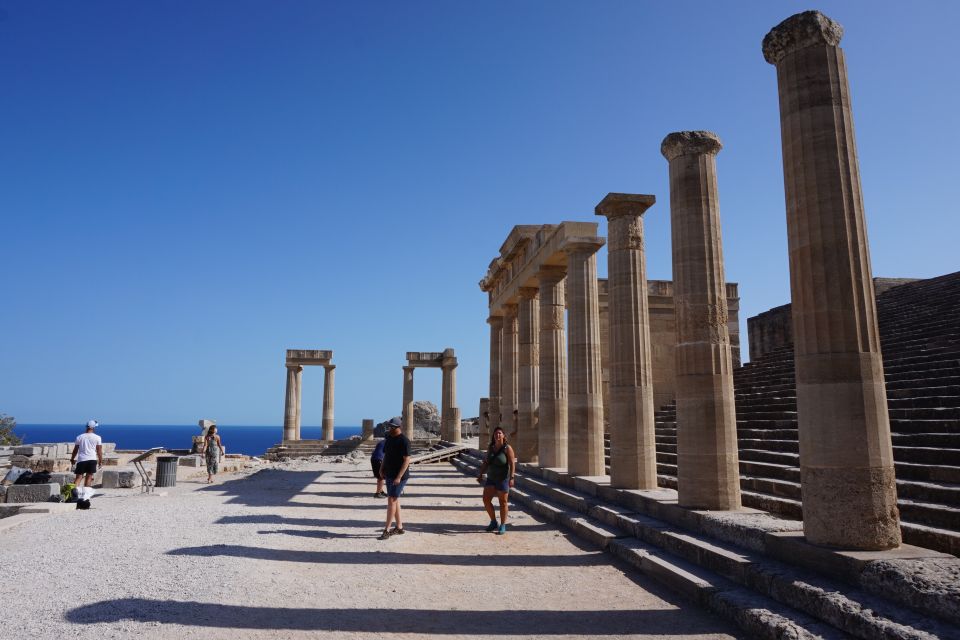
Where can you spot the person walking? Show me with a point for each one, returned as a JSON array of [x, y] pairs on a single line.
[[395, 472], [376, 461], [212, 450], [500, 465], [88, 454]]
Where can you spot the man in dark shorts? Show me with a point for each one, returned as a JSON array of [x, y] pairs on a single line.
[[376, 461], [395, 472], [88, 454]]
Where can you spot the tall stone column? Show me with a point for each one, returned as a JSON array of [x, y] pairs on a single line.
[[449, 413], [407, 413], [707, 466], [493, 403], [299, 382], [508, 371], [846, 456], [528, 374], [585, 402], [633, 449], [328, 371], [290, 406], [483, 429], [552, 424]]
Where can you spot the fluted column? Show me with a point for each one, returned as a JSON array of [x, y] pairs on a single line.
[[299, 383], [407, 412], [528, 373], [707, 468], [328, 371], [449, 412], [508, 370], [633, 449], [585, 402], [290, 406], [846, 456], [493, 403], [552, 423]]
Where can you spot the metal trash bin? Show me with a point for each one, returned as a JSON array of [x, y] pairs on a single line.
[[166, 471]]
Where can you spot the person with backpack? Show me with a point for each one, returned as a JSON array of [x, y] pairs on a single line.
[[395, 472], [500, 464], [87, 454], [376, 461]]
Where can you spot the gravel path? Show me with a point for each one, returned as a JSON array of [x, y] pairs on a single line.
[[291, 552]]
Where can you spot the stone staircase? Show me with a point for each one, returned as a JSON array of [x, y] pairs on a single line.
[[920, 337], [751, 568]]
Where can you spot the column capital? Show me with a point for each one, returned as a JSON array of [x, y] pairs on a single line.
[[551, 275], [800, 31], [329, 367], [509, 310], [296, 368], [582, 244], [495, 320], [615, 205], [529, 293], [408, 369], [683, 143]]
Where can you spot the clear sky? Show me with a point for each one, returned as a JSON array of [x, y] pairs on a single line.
[[189, 188]]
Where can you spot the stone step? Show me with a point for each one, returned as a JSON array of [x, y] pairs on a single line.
[[939, 440], [927, 413], [936, 515], [923, 392], [920, 401], [928, 455], [938, 473], [702, 568], [901, 425]]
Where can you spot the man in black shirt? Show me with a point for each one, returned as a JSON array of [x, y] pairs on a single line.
[[395, 472]]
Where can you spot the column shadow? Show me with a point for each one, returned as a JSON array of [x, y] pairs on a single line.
[[566, 622]]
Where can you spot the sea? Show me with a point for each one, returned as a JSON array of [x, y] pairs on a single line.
[[251, 440]]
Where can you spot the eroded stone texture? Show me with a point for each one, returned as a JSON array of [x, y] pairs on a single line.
[[290, 406], [508, 370], [846, 456], [450, 413], [407, 411], [299, 415], [552, 423], [707, 460], [367, 429], [633, 459], [492, 410], [585, 400], [528, 374]]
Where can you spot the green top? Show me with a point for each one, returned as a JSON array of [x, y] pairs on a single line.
[[497, 465]]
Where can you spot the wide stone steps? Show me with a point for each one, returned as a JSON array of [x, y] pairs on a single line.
[[764, 596]]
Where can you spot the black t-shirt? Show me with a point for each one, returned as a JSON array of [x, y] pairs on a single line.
[[394, 451]]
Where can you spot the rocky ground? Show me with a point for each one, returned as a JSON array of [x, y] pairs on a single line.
[[292, 552]]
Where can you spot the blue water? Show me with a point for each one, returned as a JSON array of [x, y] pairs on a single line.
[[251, 440]]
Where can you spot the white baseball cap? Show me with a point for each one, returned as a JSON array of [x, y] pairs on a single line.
[[92, 424]]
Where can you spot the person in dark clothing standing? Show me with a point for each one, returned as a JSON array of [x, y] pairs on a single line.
[[500, 465], [376, 461], [395, 472]]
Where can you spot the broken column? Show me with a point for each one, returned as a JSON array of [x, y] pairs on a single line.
[[407, 412], [707, 468], [633, 452], [846, 456], [585, 456], [528, 374], [552, 419]]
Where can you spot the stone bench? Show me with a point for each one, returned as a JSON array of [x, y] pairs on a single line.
[[19, 493]]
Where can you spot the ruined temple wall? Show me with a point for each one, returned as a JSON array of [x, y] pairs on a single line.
[[663, 337]]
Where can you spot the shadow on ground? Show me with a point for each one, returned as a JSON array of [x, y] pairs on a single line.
[[433, 621]]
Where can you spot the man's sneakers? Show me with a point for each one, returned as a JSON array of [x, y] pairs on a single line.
[[492, 526], [502, 530]]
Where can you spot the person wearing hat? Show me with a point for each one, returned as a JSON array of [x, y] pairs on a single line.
[[88, 454], [395, 472]]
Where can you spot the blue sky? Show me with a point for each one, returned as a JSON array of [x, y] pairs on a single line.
[[190, 188]]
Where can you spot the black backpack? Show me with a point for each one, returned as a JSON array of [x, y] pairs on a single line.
[[83, 504]]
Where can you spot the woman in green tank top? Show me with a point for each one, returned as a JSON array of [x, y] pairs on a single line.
[[500, 465]]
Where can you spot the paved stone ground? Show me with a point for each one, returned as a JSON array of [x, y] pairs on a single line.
[[291, 552]]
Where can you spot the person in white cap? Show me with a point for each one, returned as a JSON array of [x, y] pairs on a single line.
[[88, 454]]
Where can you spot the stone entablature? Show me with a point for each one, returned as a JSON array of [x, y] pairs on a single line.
[[425, 358], [308, 357]]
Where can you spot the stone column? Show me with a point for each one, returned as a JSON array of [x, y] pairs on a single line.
[[299, 396], [290, 406], [483, 429], [552, 424], [367, 432], [528, 374], [707, 468], [633, 449], [508, 371], [846, 457], [493, 403], [585, 402], [450, 414], [328, 371], [407, 412]]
